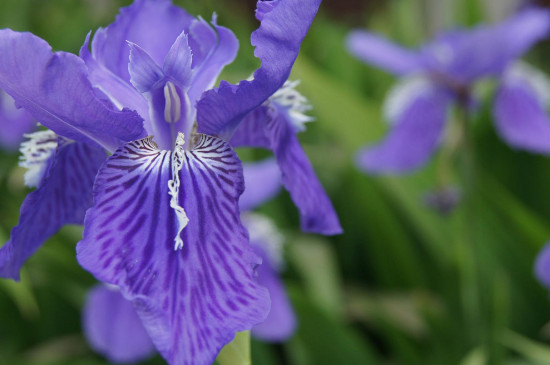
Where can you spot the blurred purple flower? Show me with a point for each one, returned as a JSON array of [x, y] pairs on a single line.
[[542, 266], [113, 328], [14, 123], [443, 72], [164, 225]]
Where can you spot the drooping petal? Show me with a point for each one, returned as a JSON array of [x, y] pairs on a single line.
[[113, 328], [192, 300], [375, 50], [154, 25], [542, 266], [14, 123], [316, 211], [62, 197], [466, 55], [54, 89], [415, 135], [262, 182], [520, 110], [284, 24]]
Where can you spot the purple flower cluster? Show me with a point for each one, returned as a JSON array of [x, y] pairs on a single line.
[[139, 148]]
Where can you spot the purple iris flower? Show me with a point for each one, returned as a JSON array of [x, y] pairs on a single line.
[[14, 123], [163, 223], [444, 72]]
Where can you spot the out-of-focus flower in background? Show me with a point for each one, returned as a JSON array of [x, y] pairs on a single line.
[[443, 73]]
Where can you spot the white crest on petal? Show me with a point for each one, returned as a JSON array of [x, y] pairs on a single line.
[[522, 73], [293, 103], [403, 94], [263, 232], [173, 189], [36, 153]]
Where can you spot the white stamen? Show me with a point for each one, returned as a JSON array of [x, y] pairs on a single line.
[[262, 232], [403, 94], [173, 189], [524, 74], [172, 103], [294, 103], [36, 153]]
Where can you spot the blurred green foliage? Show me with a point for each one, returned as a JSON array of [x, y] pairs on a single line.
[[402, 285]]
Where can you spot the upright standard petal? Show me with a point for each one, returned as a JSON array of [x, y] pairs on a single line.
[[284, 24], [520, 110], [262, 182], [113, 328], [55, 90], [191, 300], [154, 25], [14, 123], [415, 135], [375, 50], [62, 197]]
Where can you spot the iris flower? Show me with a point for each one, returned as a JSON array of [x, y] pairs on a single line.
[[163, 223], [444, 72]]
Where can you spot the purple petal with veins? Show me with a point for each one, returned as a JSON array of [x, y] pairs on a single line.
[[191, 300], [64, 194]]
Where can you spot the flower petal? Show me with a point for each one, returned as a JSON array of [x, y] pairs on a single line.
[[14, 123], [192, 301], [280, 323], [144, 72], [375, 50], [113, 328], [414, 137], [62, 197], [215, 54], [262, 182], [284, 24], [542, 266], [520, 114], [55, 90], [316, 211], [153, 25], [465, 55], [177, 63]]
